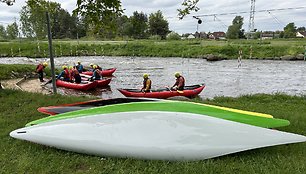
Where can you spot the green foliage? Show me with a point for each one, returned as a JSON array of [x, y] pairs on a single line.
[[290, 30], [155, 37], [156, 48], [18, 108], [189, 6], [158, 25], [234, 31], [33, 17], [6, 70], [2, 32], [138, 25], [12, 31], [173, 36], [99, 14]]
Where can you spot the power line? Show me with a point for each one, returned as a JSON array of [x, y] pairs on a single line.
[[244, 12]]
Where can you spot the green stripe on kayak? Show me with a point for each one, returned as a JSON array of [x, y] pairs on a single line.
[[188, 107]]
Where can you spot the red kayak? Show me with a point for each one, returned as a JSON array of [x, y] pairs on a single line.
[[105, 72], [59, 109], [189, 91], [84, 86], [103, 82]]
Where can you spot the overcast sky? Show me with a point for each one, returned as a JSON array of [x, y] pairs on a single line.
[[264, 21]]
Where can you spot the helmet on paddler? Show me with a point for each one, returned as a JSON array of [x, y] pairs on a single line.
[[145, 75]]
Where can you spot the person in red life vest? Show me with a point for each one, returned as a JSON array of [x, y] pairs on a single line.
[[65, 74], [179, 83], [146, 83], [97, 74], [75, 75], [40, 70]]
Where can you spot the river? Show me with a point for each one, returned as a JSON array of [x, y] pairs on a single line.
[[222, 78]]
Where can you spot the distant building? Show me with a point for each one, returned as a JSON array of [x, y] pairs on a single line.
[[301, 34], [191, 36], [217, 35], [201, 35], [267, 36]]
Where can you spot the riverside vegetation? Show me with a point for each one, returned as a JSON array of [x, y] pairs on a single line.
[[18, 108], [257, 49]]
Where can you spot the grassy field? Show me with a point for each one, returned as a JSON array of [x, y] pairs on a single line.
[[18, 108], [156, 48]]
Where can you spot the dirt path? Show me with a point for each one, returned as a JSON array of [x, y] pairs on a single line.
[[30, 85]]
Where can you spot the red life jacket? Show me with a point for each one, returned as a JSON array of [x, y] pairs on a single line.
[[67, 74], [40, 68]]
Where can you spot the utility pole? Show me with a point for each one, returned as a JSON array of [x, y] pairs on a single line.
[[251, 20], [51, 53]]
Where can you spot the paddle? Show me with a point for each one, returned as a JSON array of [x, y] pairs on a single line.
[[49, 81]]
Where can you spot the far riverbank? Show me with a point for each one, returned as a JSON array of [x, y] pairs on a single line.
[[206, 49]]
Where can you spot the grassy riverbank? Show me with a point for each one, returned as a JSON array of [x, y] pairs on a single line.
[[272, 49], [19, 70], [18, 108]]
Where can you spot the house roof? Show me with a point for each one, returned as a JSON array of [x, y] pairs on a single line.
[[302, 33]]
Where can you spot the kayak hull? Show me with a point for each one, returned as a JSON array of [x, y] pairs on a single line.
[[251, 118], [190, 92], [153, 135], [80, 86], [105, 72]]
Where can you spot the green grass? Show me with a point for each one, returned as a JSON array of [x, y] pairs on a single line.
[[18, 108], [20, 70], [183, 48]]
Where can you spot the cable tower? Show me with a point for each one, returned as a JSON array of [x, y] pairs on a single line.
[[251, 21]]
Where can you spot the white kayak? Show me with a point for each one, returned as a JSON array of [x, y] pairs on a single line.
[[154, 135]]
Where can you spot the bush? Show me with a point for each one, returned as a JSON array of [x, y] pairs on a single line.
[[155, 37], [173, 36]]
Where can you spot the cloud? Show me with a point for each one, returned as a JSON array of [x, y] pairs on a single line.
[[263, 20]]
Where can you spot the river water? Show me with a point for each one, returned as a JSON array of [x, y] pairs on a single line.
[[222, 78]]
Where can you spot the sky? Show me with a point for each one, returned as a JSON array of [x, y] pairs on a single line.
[[264, 21]]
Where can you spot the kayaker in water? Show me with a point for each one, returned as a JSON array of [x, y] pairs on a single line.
[[179, 83], [75, 75], [92, 67], [65, 74], [146, 83], [97, 74], [40, 70], [80, 67]]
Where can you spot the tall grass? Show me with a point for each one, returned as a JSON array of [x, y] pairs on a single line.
[[193, 48], [18, 108]]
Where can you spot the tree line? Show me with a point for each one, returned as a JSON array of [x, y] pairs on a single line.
[[66, 25]]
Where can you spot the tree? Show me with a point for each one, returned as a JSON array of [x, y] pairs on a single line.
[[64, 25], [301, 29], [290, 30], [100, 14], [2, 32], [138, 25], [158, 25], [173, 36], [12, 31], [33, 17], [189, 5], [234, 31]]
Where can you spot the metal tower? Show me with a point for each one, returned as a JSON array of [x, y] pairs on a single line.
[[252, 14]]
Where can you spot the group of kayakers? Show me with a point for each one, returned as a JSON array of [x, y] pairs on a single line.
[[72, 73], [178, 85]]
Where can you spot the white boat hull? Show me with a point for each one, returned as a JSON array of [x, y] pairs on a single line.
[[154, 135]]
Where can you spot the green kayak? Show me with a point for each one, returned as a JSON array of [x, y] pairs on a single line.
[[246, 117]]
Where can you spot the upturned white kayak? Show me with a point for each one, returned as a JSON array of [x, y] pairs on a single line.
[[154, 135]]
